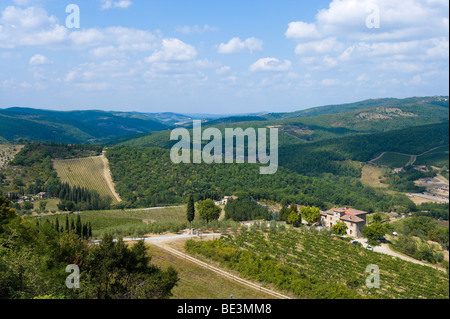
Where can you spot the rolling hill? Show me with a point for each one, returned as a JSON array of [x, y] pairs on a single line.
[[74, 126], [322, 123]]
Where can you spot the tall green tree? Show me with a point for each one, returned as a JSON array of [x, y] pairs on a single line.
[[373, 232], [310, 214], [78, 227], [42, 206], [208, 210], [190, 211], [67, 224], [295, 219], [339, 229]]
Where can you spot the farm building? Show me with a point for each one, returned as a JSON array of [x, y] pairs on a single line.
[[353, 218], [226, 198], [43, 195]]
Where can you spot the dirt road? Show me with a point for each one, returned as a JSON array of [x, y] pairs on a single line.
[[108, 178], [162, 241]]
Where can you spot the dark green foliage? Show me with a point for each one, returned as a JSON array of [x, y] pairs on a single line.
[[208, 210], [374, 232], [339, 228], [434, 210], [190, 210], [404, 181], [245, 209], [146, 177], [33, 264], [328, 156], [119, 272], [72, 127]]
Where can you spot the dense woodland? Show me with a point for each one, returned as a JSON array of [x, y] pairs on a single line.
[[147, 177], [246, 208], [332, 156]]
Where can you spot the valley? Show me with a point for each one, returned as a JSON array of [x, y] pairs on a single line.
[[126, 186]]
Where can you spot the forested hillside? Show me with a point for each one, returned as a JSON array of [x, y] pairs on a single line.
[[333, 156], [72, 127], [328, 122], [146, 176]]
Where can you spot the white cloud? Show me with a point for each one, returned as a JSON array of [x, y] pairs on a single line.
[[173, 50], [270, 64], [301, 30], [322, 47], [110, 4], [413, 36], [38, 59], [223, 70], [235, 45], [189, 30], [29, 27]]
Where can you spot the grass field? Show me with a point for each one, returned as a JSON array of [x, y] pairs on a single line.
[[87, 172], [127, 221], [198, 283], [393, 160], [370, 176]]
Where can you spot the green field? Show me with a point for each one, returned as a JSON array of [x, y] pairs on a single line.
[[393, 160], [85, 172], [438, 158], [129, 222]]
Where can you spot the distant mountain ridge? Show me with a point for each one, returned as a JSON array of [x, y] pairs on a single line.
[[72, 126], [93, 126]]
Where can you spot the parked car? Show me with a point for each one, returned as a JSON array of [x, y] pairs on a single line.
[[355, 242], [369, 247], [395, 234]]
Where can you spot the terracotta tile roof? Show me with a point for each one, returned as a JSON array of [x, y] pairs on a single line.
[[352, 219]]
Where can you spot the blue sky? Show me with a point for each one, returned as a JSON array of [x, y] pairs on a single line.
[[220, 56]]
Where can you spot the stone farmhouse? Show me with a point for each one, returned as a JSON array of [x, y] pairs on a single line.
[[353, 218]]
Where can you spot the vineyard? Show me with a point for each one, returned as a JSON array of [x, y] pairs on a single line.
[[90, 172], [311, 265]]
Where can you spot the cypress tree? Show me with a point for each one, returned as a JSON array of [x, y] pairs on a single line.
[[67, 224], [79, 229], [190, 211], [90, 231]]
